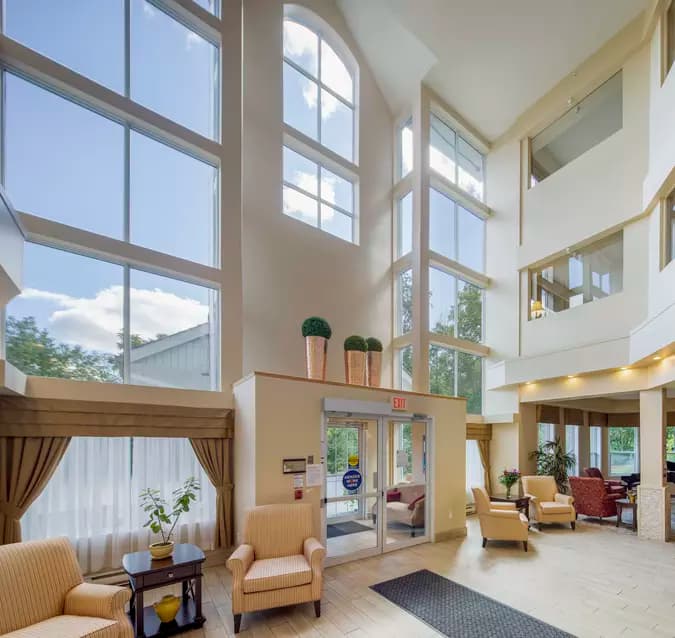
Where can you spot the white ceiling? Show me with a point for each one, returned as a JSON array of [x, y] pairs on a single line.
[[488, 59]]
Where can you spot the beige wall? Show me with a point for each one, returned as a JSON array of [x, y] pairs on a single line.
[[291, 270], [281, 418]]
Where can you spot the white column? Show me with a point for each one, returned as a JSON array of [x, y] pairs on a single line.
[[653, 495]]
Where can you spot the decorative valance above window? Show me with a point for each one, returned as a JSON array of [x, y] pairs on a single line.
[[478, 432]]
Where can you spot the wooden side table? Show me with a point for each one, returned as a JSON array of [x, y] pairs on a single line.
[[184, 566], [624, 503], [522, 503]]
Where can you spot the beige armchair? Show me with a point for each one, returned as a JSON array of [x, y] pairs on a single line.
[[42, 593], [279, 563], [499, 521], [547, 505]]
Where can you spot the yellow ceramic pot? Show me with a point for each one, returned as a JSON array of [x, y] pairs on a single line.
[[167, 608], [161, 550]]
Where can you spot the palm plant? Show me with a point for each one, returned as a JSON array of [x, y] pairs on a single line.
[[553, 460]]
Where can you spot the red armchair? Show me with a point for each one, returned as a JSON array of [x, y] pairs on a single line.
[[613, 486], [591, 497]]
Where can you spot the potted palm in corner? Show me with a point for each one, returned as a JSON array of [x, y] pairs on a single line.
[[553, 460], [355, 360], [373, 362], [316, 332]]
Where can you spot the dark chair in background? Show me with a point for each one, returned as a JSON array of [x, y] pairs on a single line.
[[613, 486]]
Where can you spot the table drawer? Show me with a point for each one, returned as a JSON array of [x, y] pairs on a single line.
[[169, 575]]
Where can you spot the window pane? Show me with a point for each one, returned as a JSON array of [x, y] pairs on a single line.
[[85, 36], [442, 151], [404, 302], [173, 69], [623, 451], [334, 73], [301, 96], [405, 224], [546, 433], [572, 446], [301, 207], [442, 224], [336, 190], [442, 291], [301, 45], [160, 215], [68, 320], [336, 223], [470, 240], [172, 332], [63, 162], [670, 37], [470, 381], [596, 446], [300, 172], [405, 369], [584, 126], [337, 126], [441, 370], [469, 311], [405, 142], [593, 272], [470, 171], [212, 6]]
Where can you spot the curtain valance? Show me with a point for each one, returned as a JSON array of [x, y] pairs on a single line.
[[478, 432]]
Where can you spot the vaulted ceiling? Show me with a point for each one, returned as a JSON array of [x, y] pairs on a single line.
[[488, 59]]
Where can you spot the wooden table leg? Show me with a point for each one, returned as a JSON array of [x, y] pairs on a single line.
[[185, 591], [138, 602], [635, 519], [619, 510], [198, 600]]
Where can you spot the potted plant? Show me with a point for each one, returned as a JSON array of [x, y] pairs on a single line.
[[355, 360], [373, 362], [553, 460], [508, 478], [316, 332], [163, 519]]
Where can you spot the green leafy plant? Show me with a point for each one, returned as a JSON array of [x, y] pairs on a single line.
[[160, 515], [316, 327], [356, 343], [553, 460], [374, 345]]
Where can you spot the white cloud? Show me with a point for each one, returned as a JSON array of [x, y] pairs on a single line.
[[192, 39], [149, 10], [298, 204], [94, 322]]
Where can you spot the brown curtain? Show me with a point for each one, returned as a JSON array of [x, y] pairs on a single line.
[[484, 450], [26, 465], [215, 457]]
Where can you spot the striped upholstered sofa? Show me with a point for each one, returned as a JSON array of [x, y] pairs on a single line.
[[42, 595], [280, 562]]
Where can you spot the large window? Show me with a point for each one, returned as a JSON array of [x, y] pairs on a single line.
[[584, 126], [456, 373], [121, 205], [70, 322], [404, 160], [455, 306], [319, 95], [624, 451], [669, 229], [596, 446], [92, 498], [591, 273], [545, 433], [670, 38], [404, 225], [404, 323], [572, 446]]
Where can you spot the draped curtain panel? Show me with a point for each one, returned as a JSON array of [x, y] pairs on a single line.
[[26, 465], [215, 457], [475, 475], [484, 450]]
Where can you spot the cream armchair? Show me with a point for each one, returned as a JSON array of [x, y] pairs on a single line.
[[280, 563], [499, 521], [547, 505], [42, 594]]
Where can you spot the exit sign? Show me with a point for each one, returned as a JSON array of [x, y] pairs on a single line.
[[399, 403]]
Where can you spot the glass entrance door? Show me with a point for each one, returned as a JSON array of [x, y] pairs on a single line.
[[406, 507], [351, 490]]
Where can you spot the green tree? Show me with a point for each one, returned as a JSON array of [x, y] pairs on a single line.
[[34, 352]]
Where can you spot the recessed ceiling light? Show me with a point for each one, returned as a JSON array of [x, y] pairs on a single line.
[[624, 368], [571, 376], [656, 357]]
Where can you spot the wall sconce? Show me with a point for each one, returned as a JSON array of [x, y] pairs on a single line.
[[537, 310]]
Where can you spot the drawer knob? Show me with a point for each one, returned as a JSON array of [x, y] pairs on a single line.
[[170, 575]]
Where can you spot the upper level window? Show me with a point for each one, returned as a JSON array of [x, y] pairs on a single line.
[[404, 161], [455, 159], [591, 273], [670, 37], [669, 229], [319, 90], [584, 126]]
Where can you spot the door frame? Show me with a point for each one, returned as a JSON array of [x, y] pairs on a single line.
[[382, 420]]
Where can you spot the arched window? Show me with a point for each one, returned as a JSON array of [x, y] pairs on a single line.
[[320, 116]]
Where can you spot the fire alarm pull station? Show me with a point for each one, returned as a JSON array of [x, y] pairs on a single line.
[[298, 484]]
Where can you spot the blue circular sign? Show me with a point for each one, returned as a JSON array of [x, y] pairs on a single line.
[[352, 480]]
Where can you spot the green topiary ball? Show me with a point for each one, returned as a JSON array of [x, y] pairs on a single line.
[[356, 343], [374, 345], [316, 327]]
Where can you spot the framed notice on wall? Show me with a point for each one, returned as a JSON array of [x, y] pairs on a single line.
[[294, 466]]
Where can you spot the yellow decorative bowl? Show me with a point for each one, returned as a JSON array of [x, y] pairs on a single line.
[[161, 550], [167, 608]]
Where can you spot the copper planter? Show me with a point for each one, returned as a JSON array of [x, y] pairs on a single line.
[[355, 367], [374, 368], [315, 357]]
